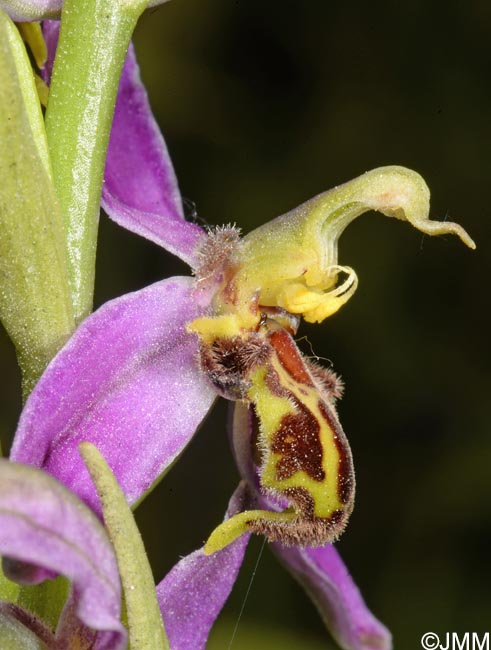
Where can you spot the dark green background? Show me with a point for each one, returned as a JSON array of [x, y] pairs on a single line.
[[263, 105]]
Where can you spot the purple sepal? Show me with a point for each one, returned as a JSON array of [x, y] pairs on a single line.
[[325, 578], [193, 593], [128, 382], [46, 526], [140, 190]]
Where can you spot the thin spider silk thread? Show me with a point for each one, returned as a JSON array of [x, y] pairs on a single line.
[[247, 593]]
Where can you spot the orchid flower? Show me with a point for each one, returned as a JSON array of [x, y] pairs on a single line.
[[44, 531], [140, 374]]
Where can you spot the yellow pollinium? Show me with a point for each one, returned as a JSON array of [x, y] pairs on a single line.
[[316, 305]]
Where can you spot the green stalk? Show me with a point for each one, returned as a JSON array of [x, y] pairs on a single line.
[[94, 38]]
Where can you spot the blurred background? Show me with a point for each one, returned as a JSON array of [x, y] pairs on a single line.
[[263, 105]]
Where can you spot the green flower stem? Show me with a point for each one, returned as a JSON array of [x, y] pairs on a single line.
[[35, 304], [94, 38], [145, 626]]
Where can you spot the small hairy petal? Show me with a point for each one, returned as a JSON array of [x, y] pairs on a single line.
[[47, 527], [325, 578], [128, 382], [193, 593]]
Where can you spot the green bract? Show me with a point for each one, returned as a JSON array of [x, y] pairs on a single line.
[[145, 627], [35, 305]]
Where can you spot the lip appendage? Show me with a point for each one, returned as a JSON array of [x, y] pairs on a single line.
[[292, 447]]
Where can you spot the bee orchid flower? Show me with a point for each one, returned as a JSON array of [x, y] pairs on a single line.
[[141, 373]]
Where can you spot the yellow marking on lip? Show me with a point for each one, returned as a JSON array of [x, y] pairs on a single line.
[[271, 409]]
